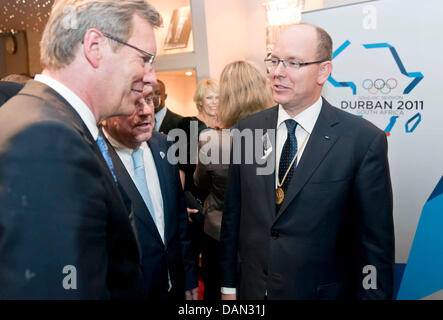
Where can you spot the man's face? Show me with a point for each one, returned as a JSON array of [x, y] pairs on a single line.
[[159, 96], [127, 70], [295, 89], [137, 128]]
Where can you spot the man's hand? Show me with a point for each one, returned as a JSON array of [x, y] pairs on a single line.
[[232, 296], [189, 213], [191, 294]]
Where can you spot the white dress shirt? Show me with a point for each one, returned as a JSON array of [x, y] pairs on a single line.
[[78, 104], [305, 124], [125, 155], [159, 116]]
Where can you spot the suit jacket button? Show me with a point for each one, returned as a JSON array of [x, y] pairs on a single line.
[[275, 234]]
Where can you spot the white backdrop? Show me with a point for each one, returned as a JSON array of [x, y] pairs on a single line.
[[387, 60]]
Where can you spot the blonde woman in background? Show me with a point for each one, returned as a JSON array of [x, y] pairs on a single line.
[[206, 101], [244, 90]]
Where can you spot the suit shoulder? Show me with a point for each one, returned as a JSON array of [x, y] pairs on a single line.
[[175, 115], [160, 138], [253, 120], [357, 123]]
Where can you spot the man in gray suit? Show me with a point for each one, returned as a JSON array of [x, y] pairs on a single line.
[[320, 226], [65, 231]]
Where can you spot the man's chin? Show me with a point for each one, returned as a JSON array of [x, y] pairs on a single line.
[[144, 138]]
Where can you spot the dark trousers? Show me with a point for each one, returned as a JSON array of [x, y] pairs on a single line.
[[211, 269]]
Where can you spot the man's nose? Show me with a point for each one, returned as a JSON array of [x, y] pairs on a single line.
[[149, 77], [143, 109], [280, 69]]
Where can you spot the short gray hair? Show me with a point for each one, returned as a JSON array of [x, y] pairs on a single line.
[[70, 19]]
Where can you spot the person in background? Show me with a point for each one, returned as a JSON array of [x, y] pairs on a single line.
[[154, 188], [165, 119], [206, 100], [8, 89], [64, 226], [17, 78], [320, 225], [244, 90]]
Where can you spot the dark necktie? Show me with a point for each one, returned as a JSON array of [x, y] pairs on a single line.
[[287, 154], [105, 152]]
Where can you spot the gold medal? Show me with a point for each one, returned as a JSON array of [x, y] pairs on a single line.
[[280, 195]]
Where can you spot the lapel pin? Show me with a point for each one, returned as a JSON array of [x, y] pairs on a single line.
[[162, 154], [327, 137]]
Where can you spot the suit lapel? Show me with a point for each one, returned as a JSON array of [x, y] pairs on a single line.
[[161, 166], [322, 139], [270, 123], [164, 122], [129, 187]]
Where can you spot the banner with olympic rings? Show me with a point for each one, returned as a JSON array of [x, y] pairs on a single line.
[[386, 58]]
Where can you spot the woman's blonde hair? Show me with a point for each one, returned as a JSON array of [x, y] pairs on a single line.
[[200, 91], [244, 90]]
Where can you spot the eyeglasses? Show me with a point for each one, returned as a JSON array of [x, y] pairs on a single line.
[[151, 56], [292, 64]]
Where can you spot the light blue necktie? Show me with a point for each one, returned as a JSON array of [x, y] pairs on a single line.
[[140, 180]]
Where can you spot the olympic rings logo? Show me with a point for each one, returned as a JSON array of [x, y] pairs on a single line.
[[380, 85]]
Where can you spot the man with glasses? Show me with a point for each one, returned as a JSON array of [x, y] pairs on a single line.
[[320, 226], [139, 156], [65, 230]]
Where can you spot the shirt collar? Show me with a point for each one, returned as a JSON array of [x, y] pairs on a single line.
[[159, 116], [74, 100], [306, 119], [116, 144]]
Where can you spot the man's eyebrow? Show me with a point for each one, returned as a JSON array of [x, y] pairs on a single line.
[[287, 58]]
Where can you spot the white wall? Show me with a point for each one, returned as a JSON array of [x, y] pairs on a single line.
[[227, 32]]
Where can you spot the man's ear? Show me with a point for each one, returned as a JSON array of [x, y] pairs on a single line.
[[166, 96], [93, 44], [324, 72]]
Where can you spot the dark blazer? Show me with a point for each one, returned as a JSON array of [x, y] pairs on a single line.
[[8, 90], [336, 217], [170, 121], [159, 257], [59, 206]]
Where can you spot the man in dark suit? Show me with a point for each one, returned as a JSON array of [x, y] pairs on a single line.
[[165, 119], [153, 184], [320, 226], [8, 90], [65, 230]]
